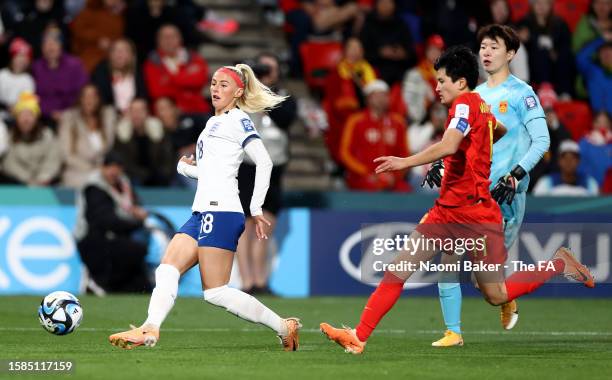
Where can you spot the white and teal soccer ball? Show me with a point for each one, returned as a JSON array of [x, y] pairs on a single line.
[[60, 313]]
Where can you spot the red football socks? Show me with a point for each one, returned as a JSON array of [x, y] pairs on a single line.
[[379, 303], [525, 282]]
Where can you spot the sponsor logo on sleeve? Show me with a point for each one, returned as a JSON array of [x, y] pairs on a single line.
[[530, 102], [247, 124], [462, 110]]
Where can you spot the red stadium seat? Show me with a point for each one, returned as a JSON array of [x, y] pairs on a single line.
[[518, 9], [575, 116], [288, 5], [571, 11], [318, 58]]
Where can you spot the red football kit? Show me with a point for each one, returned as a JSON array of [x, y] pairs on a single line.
[[464, 209]]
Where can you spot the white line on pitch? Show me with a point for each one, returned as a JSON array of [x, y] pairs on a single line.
[[309, 330]]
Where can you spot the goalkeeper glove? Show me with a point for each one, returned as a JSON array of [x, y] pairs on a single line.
[[434, 175], [505, 188]]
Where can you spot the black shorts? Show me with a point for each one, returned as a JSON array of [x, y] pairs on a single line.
[[246, 182]]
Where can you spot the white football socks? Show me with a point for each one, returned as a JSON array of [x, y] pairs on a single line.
[[246, 307], [164, 294]]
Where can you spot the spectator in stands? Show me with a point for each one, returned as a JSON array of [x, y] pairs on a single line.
[[34, 18], [269, 73], [419, 85], [557, 132], [328, 16], [177, 73], [372, 133], [596, 148], [593, 24], [119, 78], [548, 41], [59, 76], [15, 78], [569, 181], [456, 21], [145, 18], [95, 28], [318, 17], [420, 136], [33, 157], [500, 14], [597, 74], [273, 128], [147, 151], [107, 216], [86, 133], [388, 42], [343, 92], [183, 131]]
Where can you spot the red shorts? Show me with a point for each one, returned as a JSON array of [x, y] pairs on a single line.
[[480, 224]]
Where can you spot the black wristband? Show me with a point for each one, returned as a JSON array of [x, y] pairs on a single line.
[[518, 172]]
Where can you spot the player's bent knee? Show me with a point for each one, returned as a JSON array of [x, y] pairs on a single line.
[[216, 296], [233, 300]]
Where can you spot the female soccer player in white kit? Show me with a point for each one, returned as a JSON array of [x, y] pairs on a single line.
[[211, 235]]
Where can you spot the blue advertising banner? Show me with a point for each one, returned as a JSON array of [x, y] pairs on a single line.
[[318, 252], [38, 252], [338, 265]]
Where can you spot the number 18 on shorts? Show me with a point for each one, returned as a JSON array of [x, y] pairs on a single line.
[[220, 229]]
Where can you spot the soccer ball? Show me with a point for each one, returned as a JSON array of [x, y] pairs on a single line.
[[60, 313]]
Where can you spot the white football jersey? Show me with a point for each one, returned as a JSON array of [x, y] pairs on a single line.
[[219, 153]]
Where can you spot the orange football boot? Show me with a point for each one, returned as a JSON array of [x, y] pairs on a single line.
[[509, 315], [573, 268], [291, 341], [345, 337], [137, 336]]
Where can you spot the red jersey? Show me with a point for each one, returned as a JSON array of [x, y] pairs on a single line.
[[466, 173], [364, 138]]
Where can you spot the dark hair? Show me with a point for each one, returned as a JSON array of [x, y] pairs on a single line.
[[502, 32], [459, 62], [35, 135], [112, 158]]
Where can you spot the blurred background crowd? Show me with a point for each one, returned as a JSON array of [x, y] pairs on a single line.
[[81, 78]]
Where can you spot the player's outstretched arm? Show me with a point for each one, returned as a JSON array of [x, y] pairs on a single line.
[[186, 167], [448, 145]]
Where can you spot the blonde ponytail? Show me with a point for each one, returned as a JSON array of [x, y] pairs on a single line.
[[257, 96]]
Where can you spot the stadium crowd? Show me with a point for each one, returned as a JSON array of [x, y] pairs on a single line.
[[81, 78], [565, 54]]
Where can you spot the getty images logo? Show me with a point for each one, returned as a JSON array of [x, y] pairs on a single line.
[[357, 258]]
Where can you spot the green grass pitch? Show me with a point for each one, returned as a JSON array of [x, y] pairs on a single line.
[[554, 339]]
